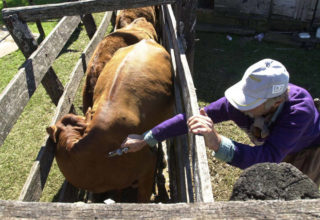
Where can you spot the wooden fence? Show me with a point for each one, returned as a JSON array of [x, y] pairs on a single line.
[[38, 66], [296, 9], [188, 157], [262, 15]]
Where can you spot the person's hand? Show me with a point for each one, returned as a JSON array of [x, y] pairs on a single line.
[[203, 125], [200, 124], [134, 142]]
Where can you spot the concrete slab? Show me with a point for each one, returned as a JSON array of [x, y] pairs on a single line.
[[7, 44]]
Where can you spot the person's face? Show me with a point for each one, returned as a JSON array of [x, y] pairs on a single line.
[[257, 111], [262, 109]]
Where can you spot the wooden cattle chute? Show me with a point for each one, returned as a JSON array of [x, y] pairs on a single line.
[[38, 66], [192, 178]]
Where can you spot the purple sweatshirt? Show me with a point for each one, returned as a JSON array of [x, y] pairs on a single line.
[[296, 127]]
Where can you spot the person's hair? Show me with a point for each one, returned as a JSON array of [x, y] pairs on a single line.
[[270, 102]]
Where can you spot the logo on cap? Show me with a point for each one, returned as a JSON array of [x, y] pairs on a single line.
[[277, 88]]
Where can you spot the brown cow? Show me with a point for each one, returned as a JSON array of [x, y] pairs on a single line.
[[126, 16], [132, 94], [139, 29]]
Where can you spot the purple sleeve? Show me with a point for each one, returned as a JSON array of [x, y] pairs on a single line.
[[218, 111], [288, 135], [172, 127], [222, 110]]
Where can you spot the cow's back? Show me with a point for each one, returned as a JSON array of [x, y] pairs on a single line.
[[132, 94], [133, 33]]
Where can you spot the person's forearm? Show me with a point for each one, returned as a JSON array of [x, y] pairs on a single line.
[[213, 140], [172, 127]]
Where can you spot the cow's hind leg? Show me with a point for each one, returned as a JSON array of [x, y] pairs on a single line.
[[145, 186]]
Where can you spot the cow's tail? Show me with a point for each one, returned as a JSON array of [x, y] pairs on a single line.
[[160, 181]]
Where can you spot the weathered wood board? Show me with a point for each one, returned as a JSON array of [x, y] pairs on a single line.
[[203, 190], [49, 11], [16, 95], [272, 209], [296, 9]]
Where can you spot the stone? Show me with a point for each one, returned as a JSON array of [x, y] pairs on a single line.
[[272, 181]]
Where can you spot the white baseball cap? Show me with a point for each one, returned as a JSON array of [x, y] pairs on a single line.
[[263, 80]]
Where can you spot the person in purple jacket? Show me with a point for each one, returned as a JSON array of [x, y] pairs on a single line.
[[280, 118]]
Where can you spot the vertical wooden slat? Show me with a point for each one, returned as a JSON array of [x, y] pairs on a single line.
[[88, 22], [39, 26], [180, 163], [314, 13], [89, 25], [200, 167], [186, 23]]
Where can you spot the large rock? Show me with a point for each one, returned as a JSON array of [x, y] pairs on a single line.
[[267, 181]]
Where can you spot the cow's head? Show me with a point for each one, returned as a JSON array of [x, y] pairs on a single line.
[[145, 26], [126, 16], [69, 130]]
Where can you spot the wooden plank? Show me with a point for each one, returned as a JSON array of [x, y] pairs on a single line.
[[180, 151], [284, 8], [21, 34], [27, 44], [308, 10], [18, 92], [49, 11], [32, 189], [224, 29], [39, 26], [258, 7], [201, 171], [186, 23], [315, 13], [271, 209], [89, 24]]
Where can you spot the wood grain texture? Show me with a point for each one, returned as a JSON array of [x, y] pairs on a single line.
[[272, 209], [203, 189], [49, 11], [16, 95]]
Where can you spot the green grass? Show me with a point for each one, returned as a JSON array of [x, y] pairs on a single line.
[[220, 63]]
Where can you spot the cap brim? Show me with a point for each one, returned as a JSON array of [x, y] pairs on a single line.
[[239, 100]]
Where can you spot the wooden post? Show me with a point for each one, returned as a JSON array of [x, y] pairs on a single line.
[[27, 44], [39, 26], [88, 23], [201, 175], [186, 23]]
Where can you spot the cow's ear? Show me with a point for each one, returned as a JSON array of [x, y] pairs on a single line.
[[52, 130]]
